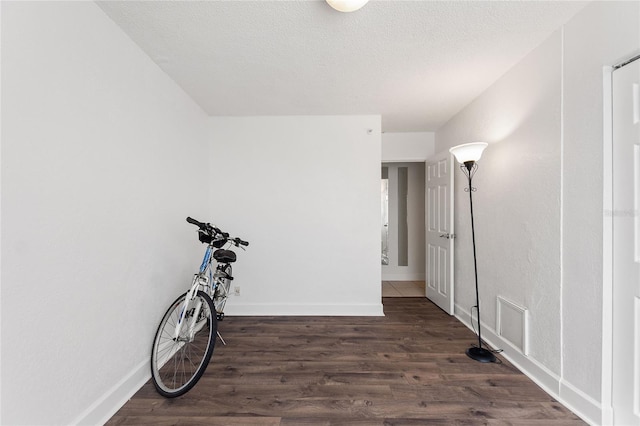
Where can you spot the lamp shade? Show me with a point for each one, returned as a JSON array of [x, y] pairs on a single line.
[[468, 151], [347, 5]]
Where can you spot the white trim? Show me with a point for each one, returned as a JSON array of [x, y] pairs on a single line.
[[578, 402], [524, 313], [258, 309], [111, 401], [636, 361], [607, 247], [1, 220], [562, 200]]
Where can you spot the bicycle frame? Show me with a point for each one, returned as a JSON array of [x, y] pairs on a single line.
[[204, 279]]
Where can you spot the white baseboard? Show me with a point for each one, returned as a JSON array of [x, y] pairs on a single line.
[[578, 402], [239, 309], [111, 401]]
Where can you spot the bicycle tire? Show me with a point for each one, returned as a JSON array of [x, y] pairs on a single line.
[[177, 365]]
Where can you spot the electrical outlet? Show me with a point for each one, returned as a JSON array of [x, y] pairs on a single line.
[[236, 290]]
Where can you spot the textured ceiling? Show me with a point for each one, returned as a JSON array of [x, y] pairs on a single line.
[[416, 63]]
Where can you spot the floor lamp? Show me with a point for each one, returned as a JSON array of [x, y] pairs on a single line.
[[467, 155]]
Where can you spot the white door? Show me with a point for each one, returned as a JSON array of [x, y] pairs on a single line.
[[439, 231], [626, 245]]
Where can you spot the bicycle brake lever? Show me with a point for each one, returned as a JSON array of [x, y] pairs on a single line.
[[236, 242]]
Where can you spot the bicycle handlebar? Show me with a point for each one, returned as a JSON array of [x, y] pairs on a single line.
[[216, 231], [197, 223], [241, 242]]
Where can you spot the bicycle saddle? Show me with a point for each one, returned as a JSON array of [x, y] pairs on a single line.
[[224, 256]]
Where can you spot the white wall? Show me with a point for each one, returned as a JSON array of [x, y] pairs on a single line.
[[305, 191], [539, 204], [101, 158], [612, 33], [517, 203], [407, 147]]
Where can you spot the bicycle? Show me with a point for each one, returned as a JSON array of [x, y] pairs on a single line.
[[185, 339]]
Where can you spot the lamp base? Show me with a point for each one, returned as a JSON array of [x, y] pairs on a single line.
[[481, 354]]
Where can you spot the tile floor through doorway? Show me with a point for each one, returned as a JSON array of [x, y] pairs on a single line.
[[403, 289]]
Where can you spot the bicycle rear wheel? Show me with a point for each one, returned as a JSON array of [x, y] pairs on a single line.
[[177, 363]]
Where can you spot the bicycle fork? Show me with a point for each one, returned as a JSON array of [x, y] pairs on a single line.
[[198, 281], [194, 312]]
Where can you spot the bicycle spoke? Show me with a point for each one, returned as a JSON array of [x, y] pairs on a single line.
[[178, 362]]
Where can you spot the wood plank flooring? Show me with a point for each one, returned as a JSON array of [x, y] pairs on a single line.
[[403, 289], [407, 368]]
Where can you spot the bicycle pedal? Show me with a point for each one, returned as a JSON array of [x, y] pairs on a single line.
[[220, 316]]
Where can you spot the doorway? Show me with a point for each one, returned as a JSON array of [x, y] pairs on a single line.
[[403, 229]]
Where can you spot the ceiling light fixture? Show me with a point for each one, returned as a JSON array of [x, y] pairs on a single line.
[[347, 5]]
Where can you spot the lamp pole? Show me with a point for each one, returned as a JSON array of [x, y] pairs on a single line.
[[478, 353], [468, 155]]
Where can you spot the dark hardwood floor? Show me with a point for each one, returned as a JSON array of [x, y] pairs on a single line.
[[407, 368]]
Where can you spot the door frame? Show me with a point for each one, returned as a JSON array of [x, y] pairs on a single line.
[[608, 282], [607, 248]]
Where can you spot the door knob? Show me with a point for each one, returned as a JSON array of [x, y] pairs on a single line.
[[448, 236]]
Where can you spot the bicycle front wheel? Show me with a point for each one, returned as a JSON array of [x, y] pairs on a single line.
[[180, 356]]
